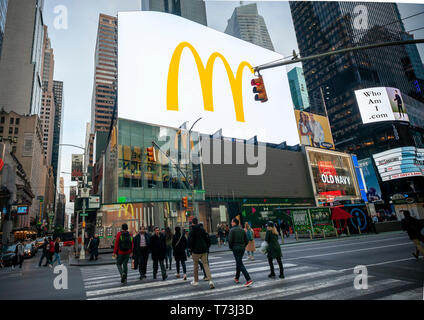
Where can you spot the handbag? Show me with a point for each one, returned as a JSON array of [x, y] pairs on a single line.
[[133, 264], [264, 247]]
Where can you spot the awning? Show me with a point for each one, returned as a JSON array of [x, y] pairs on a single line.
[[339, 214]]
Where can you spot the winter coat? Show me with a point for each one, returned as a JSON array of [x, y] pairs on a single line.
[[51, 247], [158, 247], [116, 249], [413, 227], [274, 249], [251, 244], [198, 240], [179, 247], [56, 247], [237, 240], [136, 242]]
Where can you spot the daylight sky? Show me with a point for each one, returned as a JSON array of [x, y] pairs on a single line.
[[74, 52]]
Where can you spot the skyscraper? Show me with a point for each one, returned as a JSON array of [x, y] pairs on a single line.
[[58, 122], [248, 25], [194, 10], [106, 62], [298, 89], [21, 58], [3, 13]]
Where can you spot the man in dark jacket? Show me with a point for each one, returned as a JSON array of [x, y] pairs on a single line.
[[94, 248], [199, 242], [123, 249], [237, 242], [141, 251], [45, 252], [413, 227], [158, 249]]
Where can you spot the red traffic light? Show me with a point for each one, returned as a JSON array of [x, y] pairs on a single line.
[[151, 154], [259, 89]]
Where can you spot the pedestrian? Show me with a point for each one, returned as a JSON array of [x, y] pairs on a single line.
[[168, 238], [141, 251], [250, 248], [57, 251], [187, 248], [205, 277], [277, 225], [371, 224], [51, 252], [19, 255], [199, 242], [45, 253], [237, 242], [179, 245], [220, 232], [122, 250], [226, 233], [158, 249], [413, 227], [273, 250], [94, 247]]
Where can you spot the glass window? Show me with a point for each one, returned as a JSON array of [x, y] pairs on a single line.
[[11, 120], [2, 120]]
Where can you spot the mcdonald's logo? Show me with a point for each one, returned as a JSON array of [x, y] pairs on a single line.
[[205, 75], [125, 208]]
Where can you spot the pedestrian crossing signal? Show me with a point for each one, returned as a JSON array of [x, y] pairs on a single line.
[[151, 154], [259, 89]]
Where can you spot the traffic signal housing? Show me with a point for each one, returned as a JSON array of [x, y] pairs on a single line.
[[185, 202], [259, 89], [151, 154]]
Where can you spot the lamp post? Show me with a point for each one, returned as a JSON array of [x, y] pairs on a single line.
[[195, 204]]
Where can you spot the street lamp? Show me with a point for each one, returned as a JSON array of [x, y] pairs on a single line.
[[195, 204]]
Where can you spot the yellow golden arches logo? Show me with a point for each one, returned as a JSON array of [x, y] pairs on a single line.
[[125, 207], [205, 75]]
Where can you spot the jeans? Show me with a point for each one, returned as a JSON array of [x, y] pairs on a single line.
[[238, 255], [280, 265], [19, 259], [203, 257], [250, 253], [143, 256], [94, 253], [122, 263], [168, 257], [56, 257], [44, 255], [178, 266], [155, 267]]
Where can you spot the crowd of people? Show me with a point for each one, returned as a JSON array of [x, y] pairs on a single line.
[[164, 246], [50, 249]]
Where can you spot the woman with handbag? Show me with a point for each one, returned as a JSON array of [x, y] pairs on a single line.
[[179, 245], [273, 250], [250, 248]]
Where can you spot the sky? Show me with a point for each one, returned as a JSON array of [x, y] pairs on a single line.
[[74, 49]]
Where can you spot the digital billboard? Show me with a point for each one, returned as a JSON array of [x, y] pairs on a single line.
[[77, 164], [172, 70], [314, 130], [369, 175], [381, 104], [400, 163]]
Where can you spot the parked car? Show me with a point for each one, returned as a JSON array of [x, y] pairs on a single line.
[[29, 250], [6, 258]]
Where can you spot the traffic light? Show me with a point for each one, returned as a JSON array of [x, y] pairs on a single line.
[[259, 89], [83, 224], [185, 202], [151, 154]]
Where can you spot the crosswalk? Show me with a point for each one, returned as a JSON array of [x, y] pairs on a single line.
[[308, 282]]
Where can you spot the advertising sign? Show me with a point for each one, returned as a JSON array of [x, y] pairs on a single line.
[[333, 175], [400, 163], [72, 193], [372, 187], [314, 130], [22, 210], [77, 160], [168, 78], [381, 104]]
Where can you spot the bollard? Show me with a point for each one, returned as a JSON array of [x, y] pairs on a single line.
[[323, 233], [297, 237]]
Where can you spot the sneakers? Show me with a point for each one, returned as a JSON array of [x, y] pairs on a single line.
[[271, 275], [185, 277], [50, 266], [154, 277], [164, 277], [236, 280], [211, 285], [281, 276], [205, 279], [177, 275], [248, 283], [194, 283], [123, 278]]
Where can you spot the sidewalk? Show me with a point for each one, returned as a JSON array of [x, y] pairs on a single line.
[[105, 255]]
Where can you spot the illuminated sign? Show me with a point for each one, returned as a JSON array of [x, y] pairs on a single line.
[[172, 70], [22, 210]]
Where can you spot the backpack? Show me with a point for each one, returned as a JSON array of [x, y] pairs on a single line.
[[249, 235], [125, 241]]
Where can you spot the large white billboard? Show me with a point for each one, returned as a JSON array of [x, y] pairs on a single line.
[[381, 104], [172, 70]]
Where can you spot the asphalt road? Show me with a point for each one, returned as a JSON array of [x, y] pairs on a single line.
[[321, 270]]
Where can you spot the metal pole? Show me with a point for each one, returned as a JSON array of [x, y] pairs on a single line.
[[82, 255], [76, 233]]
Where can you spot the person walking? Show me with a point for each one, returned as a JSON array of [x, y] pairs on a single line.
[[19, 255], [237, 242], [51, 251], [371, 225], [187, 248], [413, 227], [158, 249], [220, 235], [57, 251], [141, 251], [94, 247], [122, 250], [168, 238], [179, 245], [273, 250], [250, 248], [45, 253], [226, 233], [199, 242]]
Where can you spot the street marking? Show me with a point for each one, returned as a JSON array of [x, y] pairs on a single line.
[[380, 263]]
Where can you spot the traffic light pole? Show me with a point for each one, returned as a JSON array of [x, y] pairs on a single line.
[[330, 53]]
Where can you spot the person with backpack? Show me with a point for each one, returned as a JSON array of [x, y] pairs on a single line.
[[57, 251], [179, 245], [413, 227], [158, 250], [199, 243], [141, 251], [19, 255], [237, 242], [250, 248], [121, 252], [45, 253], [273, 250], [168, 238]]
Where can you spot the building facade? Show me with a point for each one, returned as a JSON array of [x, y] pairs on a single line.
[[248, 25], [3, 13], [21, 61], [58, 123], [194, 10], [298, 89]]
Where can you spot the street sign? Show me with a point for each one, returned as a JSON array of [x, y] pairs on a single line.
[[84, 193], [40, 198], [199, 191], [83, 214], [94, 202]]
